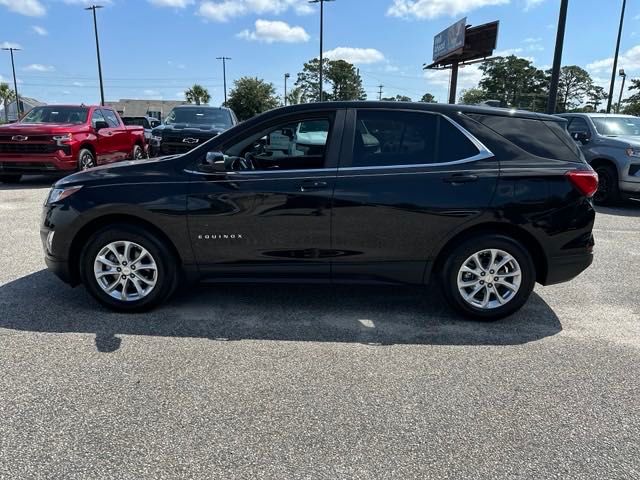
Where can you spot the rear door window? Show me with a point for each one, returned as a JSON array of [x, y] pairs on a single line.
[[547, 139]]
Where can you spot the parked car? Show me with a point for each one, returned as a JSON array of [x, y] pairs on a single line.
[[66, 138], [188, 126], [148, 123], [611, 145], [483, 201]]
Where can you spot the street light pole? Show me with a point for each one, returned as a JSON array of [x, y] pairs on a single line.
[[15, 82], [615, 58], [286, 75], [224, 75], [321, 2], [557, 59], [93, 8], [624, 77]]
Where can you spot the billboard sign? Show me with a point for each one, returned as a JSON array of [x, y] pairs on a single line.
[[449, 40]]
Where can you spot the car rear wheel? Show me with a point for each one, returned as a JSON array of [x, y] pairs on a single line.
[[10, 178], [128, 269], [86, 160], [608, 192], [488, 277]]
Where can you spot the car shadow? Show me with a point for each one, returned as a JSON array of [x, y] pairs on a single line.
[[628, 209], [372, 315], [29, 182]]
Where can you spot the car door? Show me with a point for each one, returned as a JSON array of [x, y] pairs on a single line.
[[119, 136], [407, 180], [104, 138], [269, 212]]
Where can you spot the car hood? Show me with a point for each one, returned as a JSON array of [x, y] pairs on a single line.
[[626, 140], [39, 128], [188, 128], [121, 172]]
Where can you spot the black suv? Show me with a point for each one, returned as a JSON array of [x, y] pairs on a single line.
[[189, 126], [484, 201]]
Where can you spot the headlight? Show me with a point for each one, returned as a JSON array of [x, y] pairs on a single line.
[[67, 137], [59, 194], [633, 152]]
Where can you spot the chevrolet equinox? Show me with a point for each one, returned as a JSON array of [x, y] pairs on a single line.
[[486, 202]]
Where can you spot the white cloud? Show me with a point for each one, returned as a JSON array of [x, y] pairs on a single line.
[[508, 51], [355, 55], [37, 67], [629, 60], [275, 31], [224, 10], [87, 2], [532, 40], [171, 3], [39, 30], [151, 93], [529, 4], [31, 8], [9, 45], [468, 77], [78, 84], [66, 92], [427, 9]]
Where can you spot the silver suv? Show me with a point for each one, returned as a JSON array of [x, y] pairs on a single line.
[[611, 145]]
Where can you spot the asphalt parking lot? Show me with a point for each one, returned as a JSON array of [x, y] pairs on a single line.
[[293, 382]]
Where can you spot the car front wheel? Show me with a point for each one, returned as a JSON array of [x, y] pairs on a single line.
[[86, 160], [128, 269], [488, 277], [608, 192]]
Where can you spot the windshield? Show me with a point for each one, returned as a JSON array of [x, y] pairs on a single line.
[[617, 125], [77, 115], [200, 116]]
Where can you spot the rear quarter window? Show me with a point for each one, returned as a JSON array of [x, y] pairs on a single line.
[[542, 138]]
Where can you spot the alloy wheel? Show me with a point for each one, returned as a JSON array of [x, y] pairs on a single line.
[[489, 279], [125, 271], [86, 161]]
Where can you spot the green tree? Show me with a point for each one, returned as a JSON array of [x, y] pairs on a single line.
[[397, 98], [342, 77], [294, 96], [251, 96], [512, 80], [575, 83], [595, 96], [472, 96], [197, 94], [632, 103], [6, 96], [428, 98], [345, 81]]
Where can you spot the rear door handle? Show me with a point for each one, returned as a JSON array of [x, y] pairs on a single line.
[[460, 178], [308, 185]]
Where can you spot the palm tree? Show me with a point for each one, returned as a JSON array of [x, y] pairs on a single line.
[[197, 94], [6, 95]]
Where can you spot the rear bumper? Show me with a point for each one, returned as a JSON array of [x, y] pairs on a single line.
[[24, 164], [564, 268]]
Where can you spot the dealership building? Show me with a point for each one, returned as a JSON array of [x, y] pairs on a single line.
[[144, 108]]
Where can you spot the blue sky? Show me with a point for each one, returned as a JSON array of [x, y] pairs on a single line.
[[157, 48]]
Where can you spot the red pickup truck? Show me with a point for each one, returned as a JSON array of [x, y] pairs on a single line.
[[66, 138]]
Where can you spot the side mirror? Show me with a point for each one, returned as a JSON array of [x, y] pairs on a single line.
[[100, 125], [213, 162], [582, 137]]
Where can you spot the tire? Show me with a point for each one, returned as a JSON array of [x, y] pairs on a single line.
[[138, 153], [608, 189], [86, 159], [10, 178], [512, 300], [156, 285]]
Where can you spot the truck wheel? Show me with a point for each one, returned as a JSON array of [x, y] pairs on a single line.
[[138, 153], [128, 269], [10, 178], [608, 189], [488, 277], [86, 160]]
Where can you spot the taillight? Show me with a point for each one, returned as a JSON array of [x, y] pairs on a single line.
[[586, 181]]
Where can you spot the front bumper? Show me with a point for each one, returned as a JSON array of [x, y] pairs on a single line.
[[24, 164]]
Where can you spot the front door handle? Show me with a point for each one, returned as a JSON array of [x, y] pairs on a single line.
[[308, 185], [458, 178]]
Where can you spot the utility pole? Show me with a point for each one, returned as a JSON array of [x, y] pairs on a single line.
[[321, 2], [224, 75], [95, 29], [286, 75], [557, 59], [380, 92], [615, 58], [624, 77], [15, 82]]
